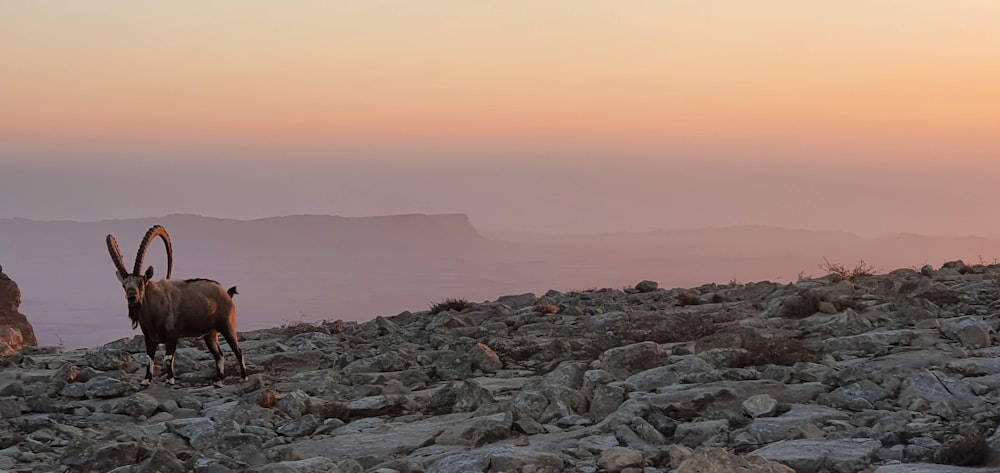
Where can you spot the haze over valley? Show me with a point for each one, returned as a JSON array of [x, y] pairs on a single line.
[[309, 268]]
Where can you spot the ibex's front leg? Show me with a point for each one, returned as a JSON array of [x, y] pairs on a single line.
[[150, 364], [171, 345]]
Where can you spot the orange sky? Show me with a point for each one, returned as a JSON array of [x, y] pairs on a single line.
[[646, 73], [874, 117]]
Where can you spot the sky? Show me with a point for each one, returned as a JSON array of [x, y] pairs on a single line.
[[557, 116]]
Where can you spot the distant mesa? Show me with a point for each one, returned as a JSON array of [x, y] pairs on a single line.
[[15, 330]]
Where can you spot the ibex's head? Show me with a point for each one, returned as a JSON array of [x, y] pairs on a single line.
[[135, 282]]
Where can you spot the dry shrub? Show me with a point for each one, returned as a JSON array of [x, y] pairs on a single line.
[[841, 272], [547, 308], [968, 450], [687, 298], [779, 350], [456, 305], [267, 399]]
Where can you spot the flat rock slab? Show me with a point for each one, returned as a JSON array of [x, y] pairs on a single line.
[[499, 385], [383, 441], [773, 429], [812, 456], [932, 468], [725, 394]]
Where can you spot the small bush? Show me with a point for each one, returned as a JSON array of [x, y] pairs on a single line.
[[267, 399], [968, 450], [841, 272], [782, 350], [456, 305], [547, 308]]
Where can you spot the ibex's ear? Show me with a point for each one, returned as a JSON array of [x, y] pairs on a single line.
[[121, 277], [149, 273]]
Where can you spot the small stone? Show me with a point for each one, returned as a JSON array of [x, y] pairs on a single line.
[[646, 286], [760, 405], [616, 459]]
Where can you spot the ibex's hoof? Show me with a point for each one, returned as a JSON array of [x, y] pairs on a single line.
[[144, 382], [218, 384], [171, 381]]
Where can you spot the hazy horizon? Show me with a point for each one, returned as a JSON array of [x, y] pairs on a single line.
[[551, 117]]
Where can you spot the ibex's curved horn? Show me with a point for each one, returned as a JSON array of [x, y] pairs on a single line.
[[116, 255], [153, 232]]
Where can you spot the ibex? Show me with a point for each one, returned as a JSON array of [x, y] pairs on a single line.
[[169, 309]]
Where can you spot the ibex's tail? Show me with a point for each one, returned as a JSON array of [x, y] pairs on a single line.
[[232, 291]]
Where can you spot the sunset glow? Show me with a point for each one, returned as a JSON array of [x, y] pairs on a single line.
[[451, 71], [452, 106]]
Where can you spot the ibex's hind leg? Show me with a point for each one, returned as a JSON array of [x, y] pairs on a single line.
[[212, 342], [231, 338], [150, 364], [168, 360]]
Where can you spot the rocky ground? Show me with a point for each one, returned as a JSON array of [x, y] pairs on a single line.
[[891, 373]]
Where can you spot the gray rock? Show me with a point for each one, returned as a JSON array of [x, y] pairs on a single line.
[[461, 463], [11, 387], [304, 425], [693, 434], [162, 461], [717, 460], [616, 459], [452, 366], [598, 443], [772, 429], [372, 406], [606, 400], [928, 386], [105, 387], [857, 397], [932, 468], [529, 426], [623, 361], [377, 364], [812, 456], [529, 405], [519, 300], [309, 465], [396, 438], [970, 331], [975, 366], [11, 407], [569, 375], [137, 405], [509, 458], [478, 430], [761, 405], [646, 286], [484, 358]]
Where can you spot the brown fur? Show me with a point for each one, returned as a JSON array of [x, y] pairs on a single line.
[[169, 309]]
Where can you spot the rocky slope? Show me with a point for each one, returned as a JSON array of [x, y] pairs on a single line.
[[892, 373], [15, 330]]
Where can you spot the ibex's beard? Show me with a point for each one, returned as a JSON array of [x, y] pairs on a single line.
[[133, 313]]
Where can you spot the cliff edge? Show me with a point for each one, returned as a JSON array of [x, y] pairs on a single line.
[[15, 330]]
